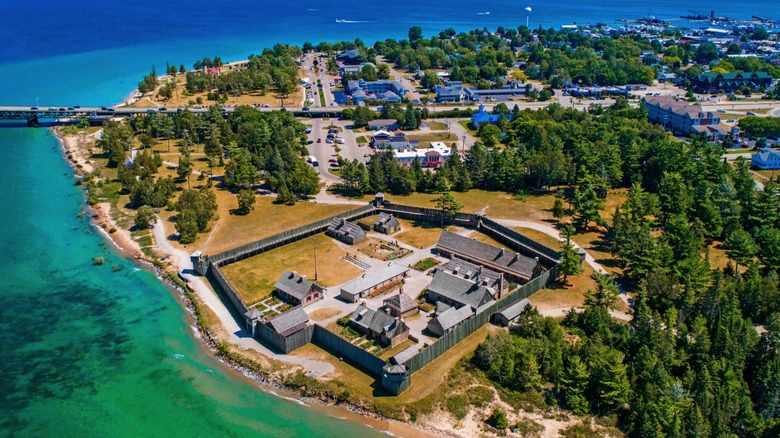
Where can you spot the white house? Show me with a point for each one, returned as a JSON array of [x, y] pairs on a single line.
[[766, 159], [432, 157]]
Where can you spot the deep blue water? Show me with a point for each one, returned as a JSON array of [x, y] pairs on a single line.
[[86, 351]]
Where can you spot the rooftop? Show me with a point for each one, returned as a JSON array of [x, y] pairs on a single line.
[[488, 255], [294, 285], [401, 302], [289, 322], [460, 290], [372, 278]]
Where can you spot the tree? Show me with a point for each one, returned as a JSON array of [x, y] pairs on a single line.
[[606, 294], [740, 247], [144, 216], [706, 52], [586, 206], [574, 383], [489, 134], [448, 205], [498, 419], [571, 263], [558, 209], [187, 226], [184, 169], [246, 201], [415, 33]]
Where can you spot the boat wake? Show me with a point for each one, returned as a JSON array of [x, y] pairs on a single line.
[[341, 20], [483, 13]]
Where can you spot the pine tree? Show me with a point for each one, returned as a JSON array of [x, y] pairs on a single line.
[[574, 383], [740, 247]]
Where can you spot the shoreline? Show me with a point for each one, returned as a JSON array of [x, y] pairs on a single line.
[[121, 240]]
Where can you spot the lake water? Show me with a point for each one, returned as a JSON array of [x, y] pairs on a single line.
[[87, 351]]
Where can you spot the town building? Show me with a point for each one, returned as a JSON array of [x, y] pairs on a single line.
[[388, 91], [386, 224], [389, 331], [729, 82], [391, 140], [432, 157], [451, 92], [456, 291], [297, 290], [345, 231], [449, 319], [404, 356], [683, 118], [482, 116], [510, 313], [477, 95], [289, 322], [374, 282], [383, 125], [401, 305], [766, 159], [514, 266]]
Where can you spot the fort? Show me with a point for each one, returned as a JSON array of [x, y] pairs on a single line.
[[452, 322]]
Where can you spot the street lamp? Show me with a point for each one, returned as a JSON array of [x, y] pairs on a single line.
[[464, 142]]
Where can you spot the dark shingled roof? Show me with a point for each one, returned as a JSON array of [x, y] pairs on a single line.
[[460, 290], [341, 227], [405, 355], [386, 220], [452, 317], [401, 302], [377, 322], [470, 271], [294, 285], [289, 322], [512, 311], [489, 256]]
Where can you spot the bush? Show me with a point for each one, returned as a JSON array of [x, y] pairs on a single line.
[[480, 396], [498, 419], [425, 264], [527, 427], [458, 406]]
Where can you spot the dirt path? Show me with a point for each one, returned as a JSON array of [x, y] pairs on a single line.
[[237, 336]]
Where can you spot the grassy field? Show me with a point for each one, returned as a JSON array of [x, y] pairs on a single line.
[[181, 98], [432, 136], [498, 204], [265, 220], [417, 233], [572, 295], [254, 277]]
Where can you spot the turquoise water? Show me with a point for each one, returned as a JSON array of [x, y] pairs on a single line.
[[86, 351]]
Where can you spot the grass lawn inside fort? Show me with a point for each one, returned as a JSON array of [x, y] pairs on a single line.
[[254, 277]]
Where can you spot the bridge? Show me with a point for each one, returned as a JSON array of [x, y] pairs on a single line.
[[33, 113]]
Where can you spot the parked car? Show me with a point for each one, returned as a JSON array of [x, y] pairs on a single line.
[[319, 140], [333, 160], [306, 108], [722, 111], [751, 113], [340, 140]]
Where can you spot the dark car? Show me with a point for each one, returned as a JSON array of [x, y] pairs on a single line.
[[306, 108], [333, 160], [319, 140], [35, 108], [163, 109]]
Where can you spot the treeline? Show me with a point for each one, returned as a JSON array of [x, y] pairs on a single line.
[[754, 126], [275, 68], [691, 362], [542, 149]]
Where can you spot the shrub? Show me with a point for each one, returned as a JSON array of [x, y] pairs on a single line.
[[480, 396], [425, 264], [458, 406], [527, 427], [498, 419]]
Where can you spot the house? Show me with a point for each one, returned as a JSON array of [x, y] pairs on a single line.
[[346, 232], [455, 291], [728, 82], [766, 159], [373, 282], [475, 273], [296, 289], [683, 118], [349, 57], [432, 157], [386, 224], [289, 322], [449, 319], [391, 140], [482, 116], [510, 313], [383, 125], [514, 266], [389, 331], [401, 305]]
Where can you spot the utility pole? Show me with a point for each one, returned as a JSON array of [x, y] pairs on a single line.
[[315, 259]]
